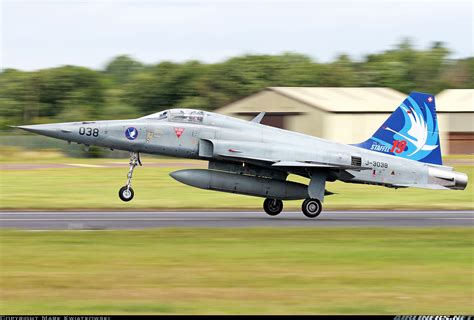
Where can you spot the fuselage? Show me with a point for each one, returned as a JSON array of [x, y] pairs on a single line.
[[205, 135]]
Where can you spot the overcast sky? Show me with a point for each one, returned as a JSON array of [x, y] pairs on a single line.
[[41, 34]]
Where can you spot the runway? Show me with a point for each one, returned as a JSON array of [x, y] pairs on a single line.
[[142, 220]]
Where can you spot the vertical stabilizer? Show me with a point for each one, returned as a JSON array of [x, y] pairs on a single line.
[[410, 132]]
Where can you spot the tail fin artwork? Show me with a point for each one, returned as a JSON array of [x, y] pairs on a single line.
[[410, 132]]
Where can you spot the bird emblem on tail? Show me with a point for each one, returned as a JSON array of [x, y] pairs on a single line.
[[410, 132]]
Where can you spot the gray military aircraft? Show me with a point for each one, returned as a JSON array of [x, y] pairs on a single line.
[[246, 157]]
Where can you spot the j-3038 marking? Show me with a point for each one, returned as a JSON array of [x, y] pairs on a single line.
[[376, 164]]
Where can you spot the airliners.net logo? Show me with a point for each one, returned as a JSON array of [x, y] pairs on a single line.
[[434, 318]]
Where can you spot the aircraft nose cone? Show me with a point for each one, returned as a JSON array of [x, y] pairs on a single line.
[[54, 130], [39, 128]]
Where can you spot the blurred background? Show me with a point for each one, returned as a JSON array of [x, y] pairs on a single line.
[[333, 69]]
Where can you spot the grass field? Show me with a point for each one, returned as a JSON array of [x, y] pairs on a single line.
[[238, 271], [224, 271], [97, 188]]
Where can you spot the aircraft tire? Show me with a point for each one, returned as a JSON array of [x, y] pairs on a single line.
[[272, 207], [126, 194], [311, 207]]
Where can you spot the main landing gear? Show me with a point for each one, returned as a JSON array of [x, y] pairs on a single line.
[[311, 207], [126, 192]]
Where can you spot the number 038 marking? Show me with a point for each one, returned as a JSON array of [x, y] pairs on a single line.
[[89, 131]]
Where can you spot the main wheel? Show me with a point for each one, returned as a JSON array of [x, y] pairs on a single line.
[[126, 194], [272, 206], [311, 207]]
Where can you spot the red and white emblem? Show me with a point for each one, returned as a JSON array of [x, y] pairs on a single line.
[[430, 99], [178, 131]]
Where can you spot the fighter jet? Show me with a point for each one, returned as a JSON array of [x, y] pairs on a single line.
[[249, 158]]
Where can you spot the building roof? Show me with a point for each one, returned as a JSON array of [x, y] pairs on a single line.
[[455, 100], [345, 99]]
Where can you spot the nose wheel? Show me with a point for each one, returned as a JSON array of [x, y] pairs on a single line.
[[126, 192]]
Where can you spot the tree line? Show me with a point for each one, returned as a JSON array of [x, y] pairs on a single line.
[[126, 88]]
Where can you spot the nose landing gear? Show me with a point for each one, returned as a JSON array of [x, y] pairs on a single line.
[[126, 192]]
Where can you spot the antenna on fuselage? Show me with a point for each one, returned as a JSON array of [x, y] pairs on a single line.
[[259, 117]]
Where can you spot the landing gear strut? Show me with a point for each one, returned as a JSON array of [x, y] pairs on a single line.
[[311, 207], [272, 206], [126, 192]]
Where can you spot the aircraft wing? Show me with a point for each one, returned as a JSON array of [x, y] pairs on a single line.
[[302, 164], [313, 164], [292, 164], [243, 158], [249, 152]]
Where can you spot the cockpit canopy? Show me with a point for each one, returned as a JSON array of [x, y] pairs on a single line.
[[178, 115]]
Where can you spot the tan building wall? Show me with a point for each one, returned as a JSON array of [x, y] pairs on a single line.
[[352, 128], [456, 119], [460, 137], [461, 122], [303, 118], [449, 123]]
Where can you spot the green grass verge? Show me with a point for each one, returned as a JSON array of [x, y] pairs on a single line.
[[238, 271], [97, 188]]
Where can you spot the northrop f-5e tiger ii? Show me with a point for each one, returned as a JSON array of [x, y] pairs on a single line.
[[246, 157]]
